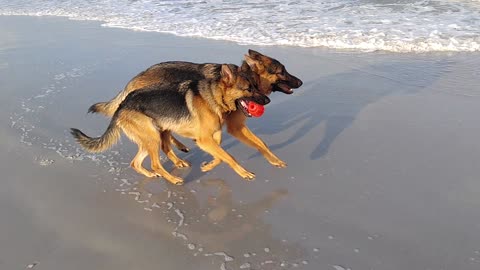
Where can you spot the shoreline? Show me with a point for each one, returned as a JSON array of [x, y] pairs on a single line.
[[327, 49]]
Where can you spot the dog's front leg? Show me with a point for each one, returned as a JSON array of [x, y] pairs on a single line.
[[237, 128], [209, 145], [208, 166]]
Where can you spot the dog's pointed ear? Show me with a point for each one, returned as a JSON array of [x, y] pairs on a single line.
[[227, 74], [255, 55], [254, 64], [244, 67]]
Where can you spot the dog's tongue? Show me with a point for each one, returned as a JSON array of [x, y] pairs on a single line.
[[255, 109]]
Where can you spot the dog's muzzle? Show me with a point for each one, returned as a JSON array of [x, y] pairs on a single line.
[[286, 86]]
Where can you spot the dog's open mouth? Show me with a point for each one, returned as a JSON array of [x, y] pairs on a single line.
[[242, 104], [282, 87]]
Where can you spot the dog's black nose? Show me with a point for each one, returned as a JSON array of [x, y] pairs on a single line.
[[299, 83], [266, 100]]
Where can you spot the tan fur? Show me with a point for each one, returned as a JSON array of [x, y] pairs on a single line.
[[141, 130], [236, 120], [204, 125], [145, 78]]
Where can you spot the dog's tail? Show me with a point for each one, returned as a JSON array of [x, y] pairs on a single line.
[[99, 144], [108, 108]]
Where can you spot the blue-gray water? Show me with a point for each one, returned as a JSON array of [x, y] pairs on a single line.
[[392, 25]]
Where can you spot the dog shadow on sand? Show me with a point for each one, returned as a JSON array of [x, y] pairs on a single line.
[[334, 101]]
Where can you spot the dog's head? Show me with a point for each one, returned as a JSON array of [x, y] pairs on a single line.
[[240, 88], [272, 74]]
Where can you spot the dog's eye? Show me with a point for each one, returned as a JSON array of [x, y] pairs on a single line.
[[271, 71], [282, 74]]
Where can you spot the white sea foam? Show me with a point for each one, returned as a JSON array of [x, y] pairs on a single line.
[[392, 25]]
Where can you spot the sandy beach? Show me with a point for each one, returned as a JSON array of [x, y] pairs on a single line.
[[382, 151]]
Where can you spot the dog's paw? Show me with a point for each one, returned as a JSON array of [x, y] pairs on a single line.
[[279, 163], [249, 176], [170, 178], [184, 149], [150, 174], [175, 180], [182, 163], [208, 166]]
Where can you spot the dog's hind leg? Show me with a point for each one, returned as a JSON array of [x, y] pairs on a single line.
[[140, 129], [166, 138], [137, 161], [153, 141], [130, 127]]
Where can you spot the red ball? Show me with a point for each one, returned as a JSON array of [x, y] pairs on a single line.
[[255, 109]]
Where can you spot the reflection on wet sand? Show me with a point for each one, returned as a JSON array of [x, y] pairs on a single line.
[[218, 226]]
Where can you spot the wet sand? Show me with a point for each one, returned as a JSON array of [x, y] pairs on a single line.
[[382, 152]]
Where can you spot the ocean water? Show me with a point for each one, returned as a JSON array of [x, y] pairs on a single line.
[[367, 25]]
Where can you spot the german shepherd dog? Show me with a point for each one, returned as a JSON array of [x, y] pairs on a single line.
[[268, 73], [193, 109]]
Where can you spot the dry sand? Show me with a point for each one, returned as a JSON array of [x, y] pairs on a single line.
[[383, 156]]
